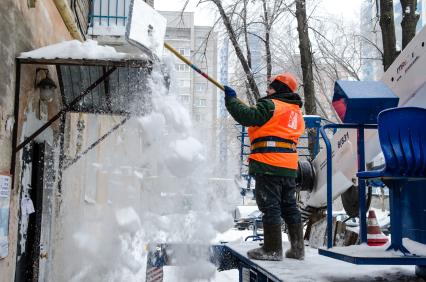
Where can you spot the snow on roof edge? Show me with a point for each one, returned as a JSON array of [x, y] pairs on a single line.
[[75, 49]]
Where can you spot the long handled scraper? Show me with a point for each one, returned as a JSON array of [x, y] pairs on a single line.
[[146, 29]]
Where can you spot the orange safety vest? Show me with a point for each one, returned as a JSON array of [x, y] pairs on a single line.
[[274, 143]]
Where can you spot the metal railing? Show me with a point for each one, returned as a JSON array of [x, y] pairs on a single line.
[[361, 183], [109, 13]]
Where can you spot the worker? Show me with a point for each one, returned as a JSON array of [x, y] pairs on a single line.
[[275, 125]]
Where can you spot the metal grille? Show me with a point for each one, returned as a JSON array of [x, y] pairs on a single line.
[[119, 94], [111, 12]]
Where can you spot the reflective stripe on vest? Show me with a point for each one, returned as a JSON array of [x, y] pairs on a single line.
[[275, 142], [272, 144]]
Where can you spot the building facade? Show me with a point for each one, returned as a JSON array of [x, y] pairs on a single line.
[[27, 25], [29, 214], [199, 45], [197, 94]]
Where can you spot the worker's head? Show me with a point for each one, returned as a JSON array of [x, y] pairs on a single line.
[[282, 83]]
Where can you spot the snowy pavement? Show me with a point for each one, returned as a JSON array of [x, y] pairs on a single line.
[[314, 268], [320, 268]]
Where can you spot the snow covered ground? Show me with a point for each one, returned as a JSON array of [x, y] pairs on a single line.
[[314, 268]]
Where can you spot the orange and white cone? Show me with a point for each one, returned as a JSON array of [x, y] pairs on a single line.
[[375, 236]]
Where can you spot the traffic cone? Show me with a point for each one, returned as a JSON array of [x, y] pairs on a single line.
[[375, 236]]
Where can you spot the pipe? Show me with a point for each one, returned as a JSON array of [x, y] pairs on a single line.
[[16, 120], [68, 18]]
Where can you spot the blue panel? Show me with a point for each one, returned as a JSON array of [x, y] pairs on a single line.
[[312, 121], [361, 101], [409, 260], [414, 211]]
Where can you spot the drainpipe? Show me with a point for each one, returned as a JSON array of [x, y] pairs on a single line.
[[68, 18]]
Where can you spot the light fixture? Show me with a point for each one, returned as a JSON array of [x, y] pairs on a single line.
[[47, 86]]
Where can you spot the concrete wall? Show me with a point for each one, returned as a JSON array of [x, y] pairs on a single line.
[[94, 188], [22, 29]]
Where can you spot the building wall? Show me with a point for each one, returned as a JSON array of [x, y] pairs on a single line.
[[180, 34], [258, 56], [22, 29]]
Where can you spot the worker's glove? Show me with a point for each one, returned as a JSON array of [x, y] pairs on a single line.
[[229, 92]]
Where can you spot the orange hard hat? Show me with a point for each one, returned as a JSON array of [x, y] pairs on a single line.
[[288, 79]]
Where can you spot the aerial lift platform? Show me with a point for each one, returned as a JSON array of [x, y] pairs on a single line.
[[341, 163]]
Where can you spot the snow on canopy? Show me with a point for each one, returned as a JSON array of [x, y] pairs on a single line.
[[75, 49]]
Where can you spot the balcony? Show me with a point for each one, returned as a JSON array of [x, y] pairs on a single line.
[[107, 23], [108, 17]]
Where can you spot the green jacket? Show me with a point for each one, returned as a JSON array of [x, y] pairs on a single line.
[[258, 115]]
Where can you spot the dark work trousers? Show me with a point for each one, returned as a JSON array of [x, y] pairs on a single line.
[[275, 197]]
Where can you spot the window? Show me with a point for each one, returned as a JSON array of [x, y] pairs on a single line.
[[200, 103], [184, 83], [183, 33], [200, 87], [182, 68], [184, 98], [175, 33], [197, 117], [184, 51]]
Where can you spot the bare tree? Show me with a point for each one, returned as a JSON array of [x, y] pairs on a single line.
[[269, 17], [305, 57], [385, 9], [409, 20], [253, 94], [267, 40], [388, 32], [306, 64], [339, 53], [245, 32]]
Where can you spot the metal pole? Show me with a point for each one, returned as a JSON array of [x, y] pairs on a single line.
[[329, 189], [361, 185], [61, 152], [242, 150], [64, 110], [16, 119]]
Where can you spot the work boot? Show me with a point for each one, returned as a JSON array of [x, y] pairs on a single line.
[[295, 236], [272, 248]]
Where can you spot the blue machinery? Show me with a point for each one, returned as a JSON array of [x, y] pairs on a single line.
[[407, 211]]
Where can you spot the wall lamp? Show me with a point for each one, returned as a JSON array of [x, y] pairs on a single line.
[[46, 85]]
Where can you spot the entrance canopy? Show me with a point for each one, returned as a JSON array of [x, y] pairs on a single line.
[[92, 79], [79, 65]]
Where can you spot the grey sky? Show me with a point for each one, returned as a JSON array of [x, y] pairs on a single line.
[[347, 9]]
